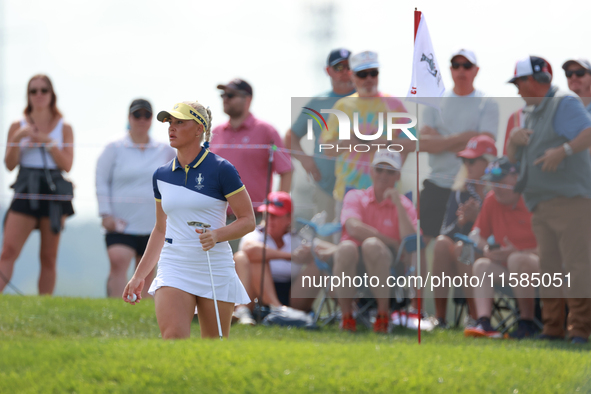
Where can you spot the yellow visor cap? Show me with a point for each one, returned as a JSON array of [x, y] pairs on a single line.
[[182, 111]]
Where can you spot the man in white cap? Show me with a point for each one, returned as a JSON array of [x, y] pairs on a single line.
[[375, 221], [555, 179], [352, 168], [578, 76], [465, 113]]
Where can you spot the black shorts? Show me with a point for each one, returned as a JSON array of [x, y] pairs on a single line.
[[283, 289], [24, 205], [136, 242], [433, 206]]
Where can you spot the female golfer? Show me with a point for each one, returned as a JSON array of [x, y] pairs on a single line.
[[41, 145], [196, 186]]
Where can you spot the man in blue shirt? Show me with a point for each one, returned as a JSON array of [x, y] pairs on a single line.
[[555, 179], [320, 167]]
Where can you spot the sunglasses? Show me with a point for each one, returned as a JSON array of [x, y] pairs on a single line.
[[277, 203], [340, 67], [466, 65], [579, 73], [140, 114], [35, 90], [364, 74], [230, 96], [379, 170], [470, 162], [497, 171], [520, 79]]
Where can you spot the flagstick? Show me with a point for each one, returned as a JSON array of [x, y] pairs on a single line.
[[417, 202]]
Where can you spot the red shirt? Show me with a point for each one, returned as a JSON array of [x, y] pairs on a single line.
[[506, 221], [251, 163], [515, 120], [383, 216]]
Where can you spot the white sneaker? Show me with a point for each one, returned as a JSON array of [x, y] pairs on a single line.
[[469, 322], [290, 312], [399, 318], [243, 315]]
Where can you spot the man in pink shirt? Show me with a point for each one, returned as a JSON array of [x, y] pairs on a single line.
[[374, 220], [233, 139]]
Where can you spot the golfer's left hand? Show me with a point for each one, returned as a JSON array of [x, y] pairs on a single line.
[[551, 159], [208, 239]]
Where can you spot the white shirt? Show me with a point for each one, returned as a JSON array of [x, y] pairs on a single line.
[[124, 182], [32, 157], [474, 112], [281, 270]]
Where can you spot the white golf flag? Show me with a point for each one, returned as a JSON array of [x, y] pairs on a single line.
[[426, 86]]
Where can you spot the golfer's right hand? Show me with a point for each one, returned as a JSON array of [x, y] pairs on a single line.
[[134, 286], [208, 239]]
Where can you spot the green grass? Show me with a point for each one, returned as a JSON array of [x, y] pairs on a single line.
[[69, 345]]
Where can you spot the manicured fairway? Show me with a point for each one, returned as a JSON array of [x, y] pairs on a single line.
[[95, 345]]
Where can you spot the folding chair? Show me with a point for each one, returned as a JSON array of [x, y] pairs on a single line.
[[467, 257], [402, 296], [506, 310], [324, 230]]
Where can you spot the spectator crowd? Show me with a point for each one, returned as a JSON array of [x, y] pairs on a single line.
[[524, 211]]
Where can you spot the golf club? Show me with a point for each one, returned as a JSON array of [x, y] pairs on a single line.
[[204, 227]]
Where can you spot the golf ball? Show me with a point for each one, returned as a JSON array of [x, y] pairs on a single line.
[[132, 298]]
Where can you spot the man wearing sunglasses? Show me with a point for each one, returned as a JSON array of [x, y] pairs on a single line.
[[375, 220], [465, 113], [578, 76], [244, 129], [352, 167], [319, 167], [555, 179]]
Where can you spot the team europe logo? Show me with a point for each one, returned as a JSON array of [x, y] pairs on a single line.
[[199, 179]]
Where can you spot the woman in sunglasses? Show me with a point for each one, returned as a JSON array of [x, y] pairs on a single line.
[[462, 209], [41, 145], [193, 189], [124, 187]]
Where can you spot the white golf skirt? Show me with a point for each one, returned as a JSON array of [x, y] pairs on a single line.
[[183, 265]]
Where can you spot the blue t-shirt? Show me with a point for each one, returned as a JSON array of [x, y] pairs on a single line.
[[300, 129], [571, 117]]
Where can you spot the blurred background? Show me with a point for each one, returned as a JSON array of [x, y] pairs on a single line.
[[102, 55]]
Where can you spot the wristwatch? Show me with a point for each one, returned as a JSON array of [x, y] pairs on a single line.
[[567, 149]]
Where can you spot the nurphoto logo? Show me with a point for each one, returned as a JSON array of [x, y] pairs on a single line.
[[345, 129]]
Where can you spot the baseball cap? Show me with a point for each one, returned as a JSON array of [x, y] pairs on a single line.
[[237, 84], [531, 65], [337, 55], [182, 111], [363, 61], [468, 54], [279, 204], [500, 168], [140, 104], [479, 146], [387, 157], [581, 62]]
